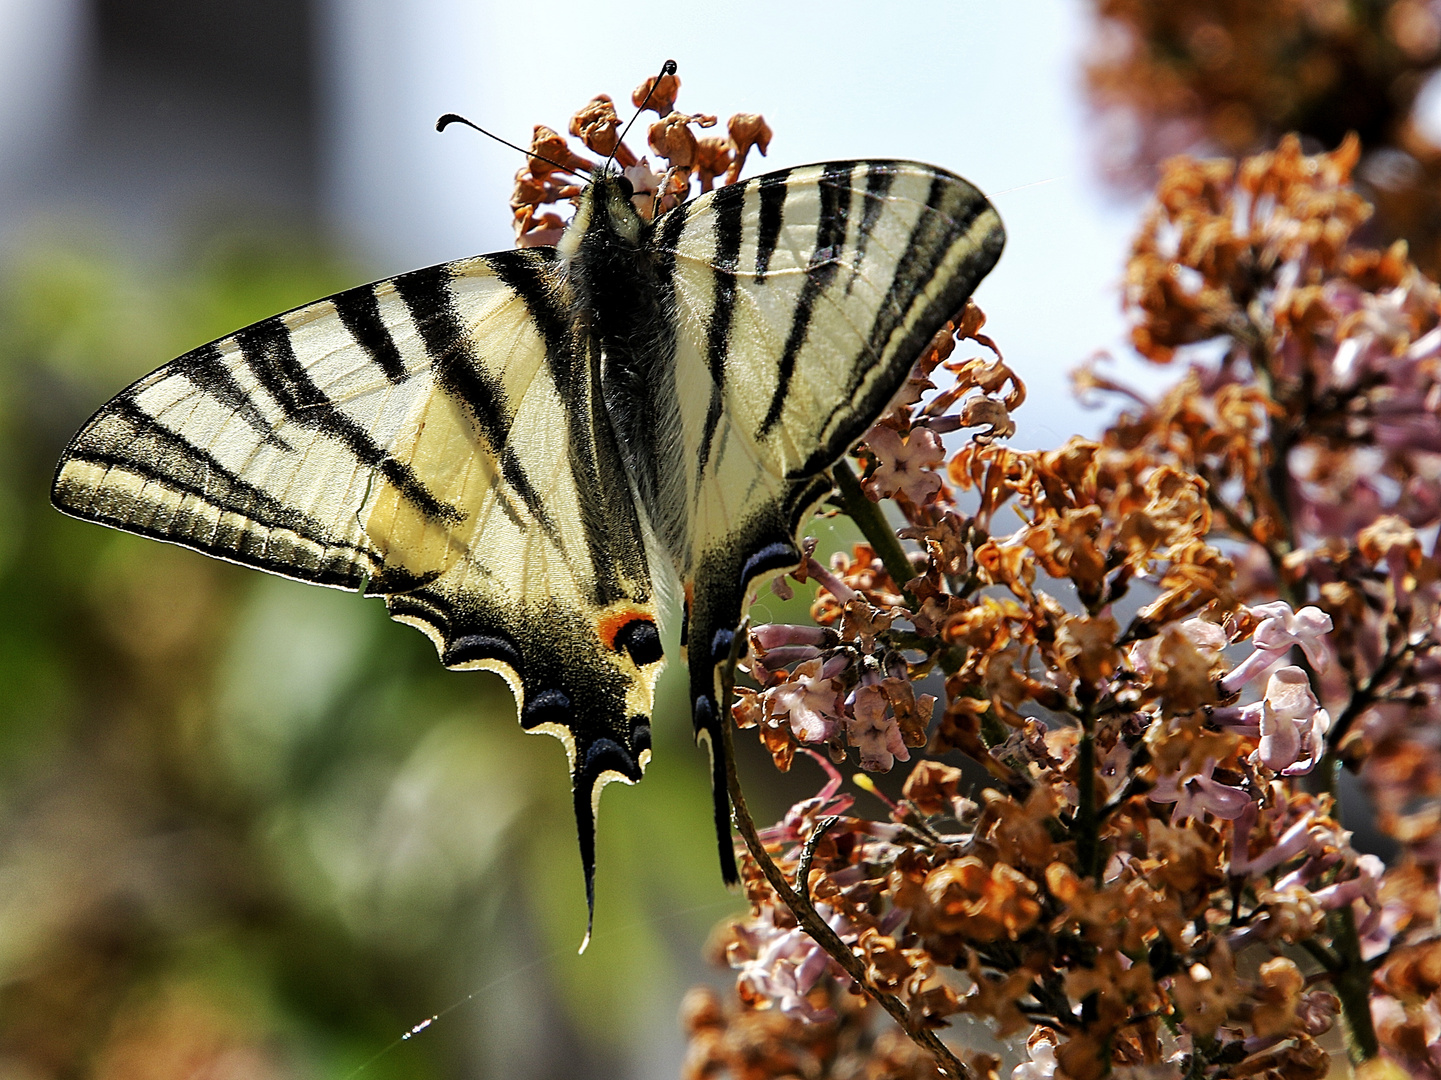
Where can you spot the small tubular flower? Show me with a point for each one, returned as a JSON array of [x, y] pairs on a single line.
[[874, 731], [810, 702], [905, 466], [1200, 793], [1281, 628], [1293, 724]]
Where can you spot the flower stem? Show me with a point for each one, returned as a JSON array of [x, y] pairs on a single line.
[[874, 527], [1352, 982], [811, 922], [1087, 821]]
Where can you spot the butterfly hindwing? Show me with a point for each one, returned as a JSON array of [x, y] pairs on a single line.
[[436, 439], [802, 299]]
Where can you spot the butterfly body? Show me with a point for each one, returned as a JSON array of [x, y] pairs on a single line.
[[516, 449]]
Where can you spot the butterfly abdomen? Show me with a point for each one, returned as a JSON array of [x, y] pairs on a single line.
[[622, 295]]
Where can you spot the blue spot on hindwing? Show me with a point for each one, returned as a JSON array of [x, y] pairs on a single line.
[[546, 707], [720, 646]]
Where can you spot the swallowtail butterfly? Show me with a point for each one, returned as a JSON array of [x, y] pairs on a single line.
[[515, 449]]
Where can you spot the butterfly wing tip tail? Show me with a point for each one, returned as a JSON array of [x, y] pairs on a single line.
[[729, 874], [585, 833], [725, 841], [589, 908]]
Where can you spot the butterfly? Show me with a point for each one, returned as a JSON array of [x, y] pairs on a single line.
[[519, 451]]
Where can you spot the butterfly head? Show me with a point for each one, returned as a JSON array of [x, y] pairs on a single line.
[[604, 217]]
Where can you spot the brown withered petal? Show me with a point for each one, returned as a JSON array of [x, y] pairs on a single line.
[[661, 91], [701, 1008], [1278, 995], [1084, 1057], [672, 138], [549, 145], [746, 130], [598, 126], [912, 711], [931, 786], [713, 158], [1087, 646]]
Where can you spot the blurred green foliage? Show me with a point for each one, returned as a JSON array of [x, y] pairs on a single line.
[[253, 825]]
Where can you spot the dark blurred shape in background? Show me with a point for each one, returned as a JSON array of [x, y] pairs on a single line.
[[1231, 76], [139, 110]]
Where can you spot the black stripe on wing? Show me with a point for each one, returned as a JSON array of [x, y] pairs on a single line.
[[269, 354], [879, 178], [458, 371], [359, 311], [951, 209], [772, 188], [206, 370], [126, 437], [729, 204], [821, 269], [611, 528], [461, 372]]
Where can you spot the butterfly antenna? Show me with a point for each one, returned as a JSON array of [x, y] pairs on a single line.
[[455, 118], [668, 68]]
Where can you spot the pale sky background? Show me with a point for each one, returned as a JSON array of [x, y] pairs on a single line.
[[987, 88]]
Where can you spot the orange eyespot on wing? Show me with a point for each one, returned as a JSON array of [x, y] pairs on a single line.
[[633, 630]]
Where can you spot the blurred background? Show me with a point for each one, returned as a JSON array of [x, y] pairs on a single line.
[[250, 828]]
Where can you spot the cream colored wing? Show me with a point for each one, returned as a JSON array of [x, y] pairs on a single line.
[[437, 439], [802, 300]]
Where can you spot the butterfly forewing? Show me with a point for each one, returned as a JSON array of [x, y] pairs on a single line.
[[425, 439], [802, 301]]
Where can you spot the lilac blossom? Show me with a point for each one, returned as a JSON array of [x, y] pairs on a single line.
[[843, 593], [1205, 636], [1199, 793], [811, 699], [779, 645], [1279, 630], [1293, 725], [784, 964], [905, 466], [874, 731], [800, 819], [1365, 886], [1294, 842]]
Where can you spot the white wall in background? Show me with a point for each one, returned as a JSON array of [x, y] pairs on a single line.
[[404, 193]]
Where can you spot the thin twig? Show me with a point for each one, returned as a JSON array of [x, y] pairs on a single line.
[[810, 920], [1352, 983], [1087, 823], [808, 854]]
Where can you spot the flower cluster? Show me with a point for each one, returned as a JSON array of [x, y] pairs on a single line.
[[846, 682], [554, 172], [1149, 655], [1211, 75], [1317, 434]]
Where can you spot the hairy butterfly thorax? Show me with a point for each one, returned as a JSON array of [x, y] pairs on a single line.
[[513, 449]]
